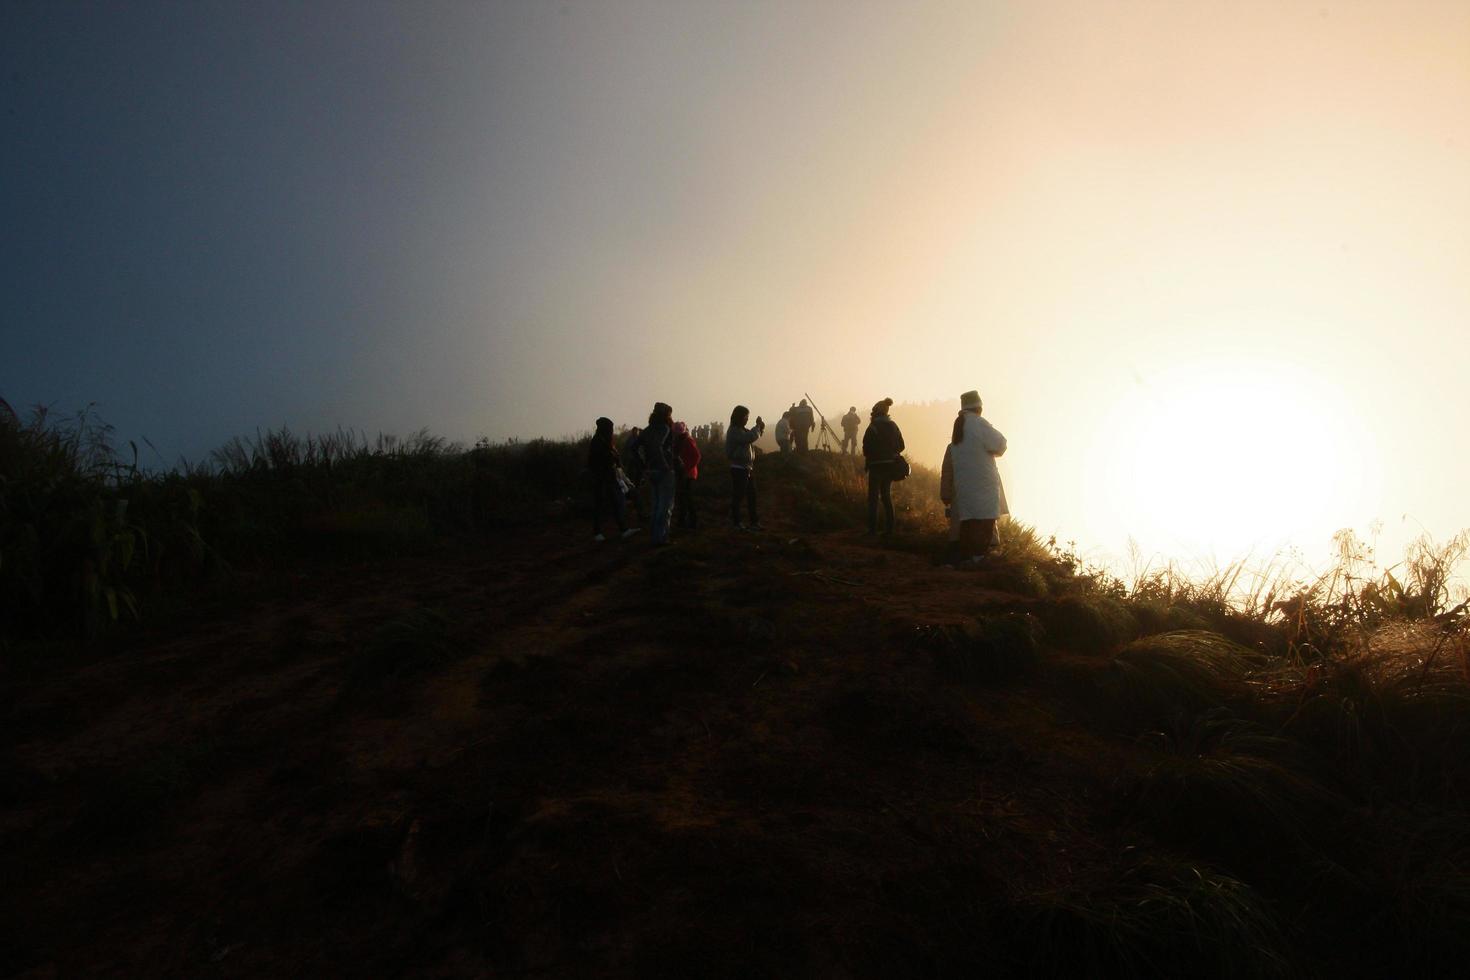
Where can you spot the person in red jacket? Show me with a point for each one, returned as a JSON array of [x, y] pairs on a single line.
[[686, 450]]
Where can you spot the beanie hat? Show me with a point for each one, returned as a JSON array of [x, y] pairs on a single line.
[[881, 408], [681, 429], [969, 400], [604, 423]]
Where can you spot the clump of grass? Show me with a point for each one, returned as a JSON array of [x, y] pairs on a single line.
[[1089, 623], [1385, 720], [1014, 575], [1156, 680], [994, 648], [1228, 801], [1155, 616], [1158, 919]]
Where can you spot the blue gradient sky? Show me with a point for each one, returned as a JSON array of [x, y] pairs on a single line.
[[1185, 250]]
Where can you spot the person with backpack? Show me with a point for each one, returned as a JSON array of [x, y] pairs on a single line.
[[603, 461], [850, 423], [979, 497], [656, 450], [882, 455], [740, 450], [687, 455]]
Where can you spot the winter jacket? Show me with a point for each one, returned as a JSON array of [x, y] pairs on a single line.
[[978, 493], [783, 429], [602, 456], [850, 422], [656, 448], [882, 442], [689, 457], [738, 442]]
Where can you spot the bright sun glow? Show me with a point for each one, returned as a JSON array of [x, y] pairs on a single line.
[[1217, 460]]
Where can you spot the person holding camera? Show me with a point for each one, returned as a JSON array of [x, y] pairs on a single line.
[[740, 450]]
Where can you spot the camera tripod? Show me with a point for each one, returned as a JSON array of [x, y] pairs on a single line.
[[826, 435]]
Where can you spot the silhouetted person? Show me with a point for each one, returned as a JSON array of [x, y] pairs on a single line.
[[783, 432], [633, 470], [740, 449], [686, 453], [802, 423], [979, 497], [946, 495], [850, 423], [882, 445], [603, 461], [656, 447]]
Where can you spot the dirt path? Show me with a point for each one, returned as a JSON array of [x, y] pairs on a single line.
[[728, 756]]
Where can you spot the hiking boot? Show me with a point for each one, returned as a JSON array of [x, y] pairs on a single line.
[[598, 537], [631, 531]]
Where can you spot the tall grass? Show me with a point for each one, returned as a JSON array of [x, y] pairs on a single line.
[[88, 537]]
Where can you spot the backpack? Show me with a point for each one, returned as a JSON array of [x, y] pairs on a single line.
[[900, 469]]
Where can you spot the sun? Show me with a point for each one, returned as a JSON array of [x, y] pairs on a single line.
[[1219, 459]]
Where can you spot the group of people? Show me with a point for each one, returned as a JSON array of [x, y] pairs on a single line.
[[794, 428], [665, 454]]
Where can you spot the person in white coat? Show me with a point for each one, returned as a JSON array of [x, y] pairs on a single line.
[[979, 499]]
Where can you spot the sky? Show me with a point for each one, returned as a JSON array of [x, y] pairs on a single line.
[[1205, 261]]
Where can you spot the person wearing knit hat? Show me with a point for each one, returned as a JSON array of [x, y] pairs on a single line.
[[979, 498], [882, 447], [607, 494]]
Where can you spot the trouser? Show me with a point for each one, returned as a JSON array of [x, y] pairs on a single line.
[[607, 497], [801, 436], [662, 484], [684, 503], [742, 488], [849, 442], [880, 485], [976, 536]]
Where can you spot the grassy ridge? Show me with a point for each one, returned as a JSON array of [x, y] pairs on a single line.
[[88, 538]]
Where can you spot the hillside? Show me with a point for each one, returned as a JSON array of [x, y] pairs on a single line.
[[796, 752]]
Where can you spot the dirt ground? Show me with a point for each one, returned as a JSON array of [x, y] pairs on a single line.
[[550, 757]]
